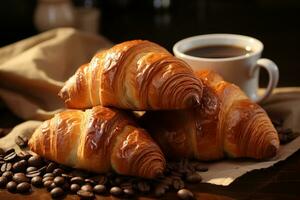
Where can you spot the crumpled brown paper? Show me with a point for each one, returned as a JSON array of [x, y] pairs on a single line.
[[32, 72]]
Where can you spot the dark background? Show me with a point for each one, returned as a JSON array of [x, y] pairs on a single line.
[[275, 22]]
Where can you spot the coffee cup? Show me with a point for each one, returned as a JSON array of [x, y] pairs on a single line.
[[236, 58]]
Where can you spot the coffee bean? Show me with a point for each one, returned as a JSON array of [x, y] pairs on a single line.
[[11, 186], [90, 181], [33, 174], [78, 180], [19, 178], [59, 181], [194, 178], [128, 192], [37, 181], [85, 195], [6, 167], [74, 188], [48, 175], [126, 185], [48, 178], [30, 169], [185, 194], [99, 189], [200, 168], [57, 172], [102, 180], [2, 152], [21, 141], [10, 157], [116, 191], [159, 191], [35, 161], [24, 155], [56, 192], [87, 188], [23, 187], [9, 151], [178, 184], [51, 186], [8, 175], [3, 181], [19, 166], [67, 176], [143, 186], [51, 167], [47, 183]]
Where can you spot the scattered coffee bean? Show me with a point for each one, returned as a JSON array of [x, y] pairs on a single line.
[[21, 141], [90, 181], [200, 168], [57, 192], [194, 178], [11, 186], [87, 187], [128, 192], [51, 186], [6, 167], [102, 180], [19, 178], [23, 187], [116, 191], [33, 174], [9, 151], [8, 175], [19, 166], [85, 195], [57, 172], [37, 181], [30, 169], [143, 186], [3, 181], [24, 155], [74, 188], [99, 189], [47, 183], [185, 194], [48, 175], [35, 161], [10, 157], [48, 178], [59, 181], [178, 184], [67, 176], [78, 180], [51, 167]]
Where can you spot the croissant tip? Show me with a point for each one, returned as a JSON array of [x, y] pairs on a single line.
[[271, 149]]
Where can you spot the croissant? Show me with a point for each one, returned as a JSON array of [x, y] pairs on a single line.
[[226, 123], [98, 140], [135, 75]]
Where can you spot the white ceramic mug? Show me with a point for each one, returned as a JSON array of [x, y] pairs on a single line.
[[241, 70]]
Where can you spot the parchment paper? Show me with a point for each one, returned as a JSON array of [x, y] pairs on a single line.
[[32, 72]]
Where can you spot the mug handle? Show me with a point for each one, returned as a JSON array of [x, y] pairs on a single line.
[[273, 72]]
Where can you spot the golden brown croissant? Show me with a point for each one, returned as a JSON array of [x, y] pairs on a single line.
[[226, 123], [136, 75], [99, 139]]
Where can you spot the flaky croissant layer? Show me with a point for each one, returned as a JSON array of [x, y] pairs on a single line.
[[226, 123], [99, 140], [135, 75]]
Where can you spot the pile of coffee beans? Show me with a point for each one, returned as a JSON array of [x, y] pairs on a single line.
[[21, 172], [285, 134]]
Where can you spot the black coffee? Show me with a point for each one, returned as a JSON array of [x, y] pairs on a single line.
[[218, 51]]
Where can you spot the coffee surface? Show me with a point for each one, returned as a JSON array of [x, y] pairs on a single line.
[[218, 51]]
